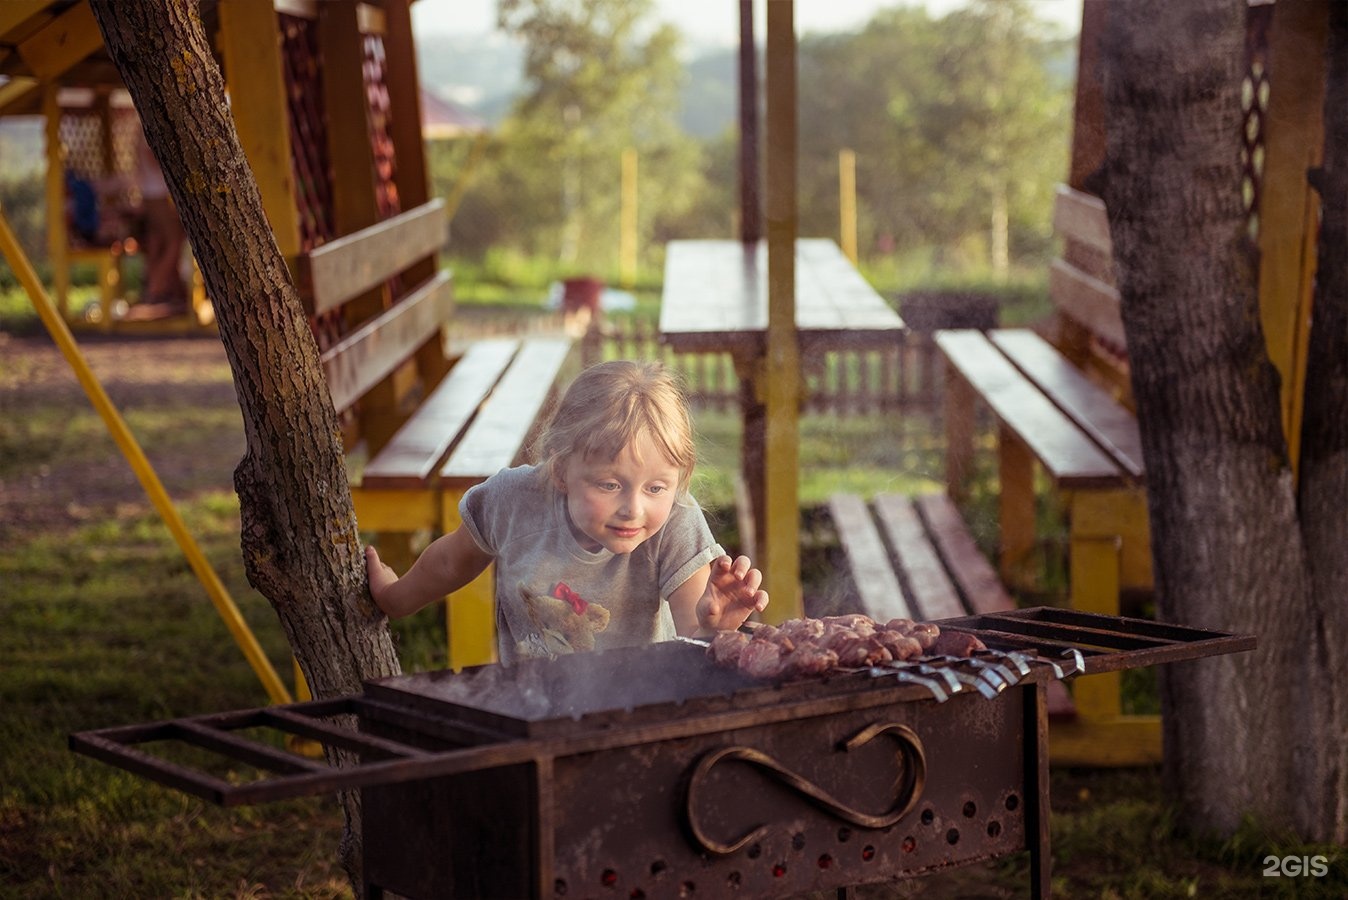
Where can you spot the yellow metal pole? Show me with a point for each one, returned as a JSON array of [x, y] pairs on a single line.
[[779, 376], [628, 239], [847, 203], [145, 473], [475, 155], [58, 247]]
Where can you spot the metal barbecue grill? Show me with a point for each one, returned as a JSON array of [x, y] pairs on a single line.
[[650, 772]]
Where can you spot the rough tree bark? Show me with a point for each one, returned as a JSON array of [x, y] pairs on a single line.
[[1324, 435], [301, 547], [1250, 733]]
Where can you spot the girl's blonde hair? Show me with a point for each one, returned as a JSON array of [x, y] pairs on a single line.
[[610, 405]]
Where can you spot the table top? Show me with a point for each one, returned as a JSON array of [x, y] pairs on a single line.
[[716, 297]]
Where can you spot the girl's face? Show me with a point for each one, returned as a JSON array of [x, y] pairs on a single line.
[[619, 504]]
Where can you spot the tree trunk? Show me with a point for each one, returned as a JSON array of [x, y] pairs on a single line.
[[1324, 434], [301, 547], [1247, 733]]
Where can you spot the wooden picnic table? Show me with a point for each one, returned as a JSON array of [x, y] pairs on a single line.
[[715, 300]]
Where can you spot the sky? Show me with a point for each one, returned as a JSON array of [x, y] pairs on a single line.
[[717, 21]]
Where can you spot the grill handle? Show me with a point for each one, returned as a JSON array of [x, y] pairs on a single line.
[[912, 761]]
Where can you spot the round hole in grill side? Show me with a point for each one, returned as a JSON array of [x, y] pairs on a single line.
[[952, 836], [755, 851], [994, 828], [687, 889], [559, 887], [733, 881], [1012, 802], [928, 816], [909, 844], [637, 894], [608, 878], [970, 810], [798, 841], [658, 867], [844, 834], [867, 853], [825, 861], [779, 870]]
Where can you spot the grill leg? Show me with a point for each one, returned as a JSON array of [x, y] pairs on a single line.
[[1037, 789]]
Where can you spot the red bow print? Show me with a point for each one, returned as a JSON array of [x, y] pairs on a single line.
[[562, 592]]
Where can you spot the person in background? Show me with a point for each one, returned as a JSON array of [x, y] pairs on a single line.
[[598, 546], [163, 238]]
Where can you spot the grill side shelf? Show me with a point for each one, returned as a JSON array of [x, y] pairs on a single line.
[[1107, 643]]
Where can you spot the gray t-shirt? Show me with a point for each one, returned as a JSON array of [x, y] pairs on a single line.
[[519, 517]]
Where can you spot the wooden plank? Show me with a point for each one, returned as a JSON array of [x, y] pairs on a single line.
[[877, 586], [1107, 421], [364, 357], [61, 44], [498, 435], [1063, 449], [1086, 300], [929, 586], [715, 298], [1081, 217], [410, 459], [349, 266], [974, 576], [14, 13]]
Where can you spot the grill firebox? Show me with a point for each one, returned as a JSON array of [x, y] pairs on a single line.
[[648, 772]]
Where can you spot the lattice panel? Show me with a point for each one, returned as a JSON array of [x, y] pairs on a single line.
[[385, 162], [309, 150], [1254, 102]]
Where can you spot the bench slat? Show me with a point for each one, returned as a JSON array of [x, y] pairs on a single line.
[[1082, 217], [1106, 420], [499, 433], [1088, 300], [977, 581], [931, 589], [1061, 447], [409, 460], [366, 356], [877, 586], [349, 266]]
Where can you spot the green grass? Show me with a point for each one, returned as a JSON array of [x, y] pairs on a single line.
[[102, 623]]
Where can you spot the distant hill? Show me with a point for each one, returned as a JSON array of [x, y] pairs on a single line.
[[482, 73]]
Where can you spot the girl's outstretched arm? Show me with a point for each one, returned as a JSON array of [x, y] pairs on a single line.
[[718, 597], [450, 562]]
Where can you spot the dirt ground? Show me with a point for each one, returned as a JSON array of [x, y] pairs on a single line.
[[175, 392]]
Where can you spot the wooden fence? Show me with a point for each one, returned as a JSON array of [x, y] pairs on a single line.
[[905, 376], [851, 382]]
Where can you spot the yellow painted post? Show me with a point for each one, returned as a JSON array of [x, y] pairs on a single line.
[[1289, 209], [847, 203], [470, 612], [1094, 577], [779, 376], [255, 74], [145, 473], [58, 246], [1015, 499], [627, 257], [959, 433]]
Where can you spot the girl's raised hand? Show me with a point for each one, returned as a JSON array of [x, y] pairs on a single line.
[[380, 575], [732, 594]]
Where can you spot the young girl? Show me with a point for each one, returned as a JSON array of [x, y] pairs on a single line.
[[602, 531]]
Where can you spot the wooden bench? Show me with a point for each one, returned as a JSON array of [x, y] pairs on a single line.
[[431, 426], [914, 558], [1064, 417]]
